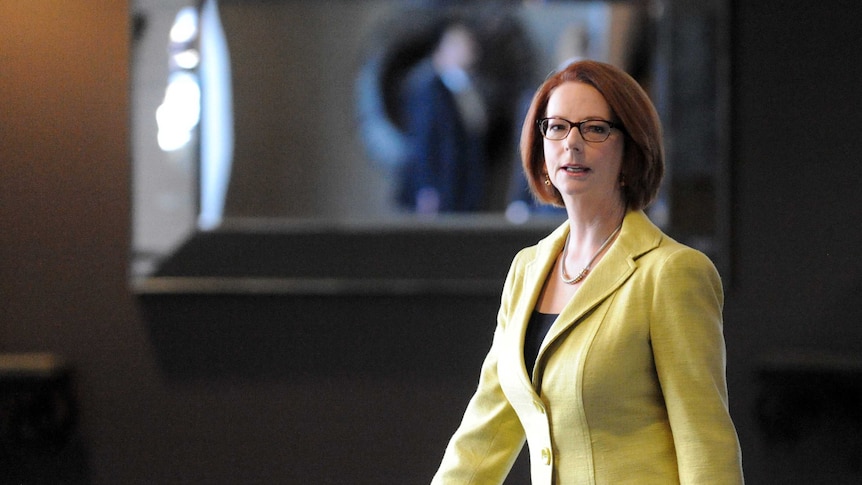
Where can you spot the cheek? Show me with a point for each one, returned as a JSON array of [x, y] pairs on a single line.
[[615, 156], [548, 159], [550, 149]]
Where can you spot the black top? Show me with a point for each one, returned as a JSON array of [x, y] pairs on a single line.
[[537, 328]]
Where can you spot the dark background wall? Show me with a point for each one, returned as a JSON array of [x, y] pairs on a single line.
[[367, 390]]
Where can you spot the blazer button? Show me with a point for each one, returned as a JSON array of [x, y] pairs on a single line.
[[546, 456]]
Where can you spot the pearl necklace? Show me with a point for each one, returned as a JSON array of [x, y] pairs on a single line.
[[584, 272]]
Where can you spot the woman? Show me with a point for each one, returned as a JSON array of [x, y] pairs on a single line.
[[608, 356]]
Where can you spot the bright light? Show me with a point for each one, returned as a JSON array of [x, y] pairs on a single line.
[[187, 59], [518, 212], [180, 111], [185, 26]]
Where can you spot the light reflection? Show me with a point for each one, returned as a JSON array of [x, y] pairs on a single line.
[[185, 28], [180, 112], [187, 59]]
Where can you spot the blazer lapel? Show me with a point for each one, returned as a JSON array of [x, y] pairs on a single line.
[[535, 273], [637, 236]]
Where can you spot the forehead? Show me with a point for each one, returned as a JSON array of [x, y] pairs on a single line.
[[577, 100]]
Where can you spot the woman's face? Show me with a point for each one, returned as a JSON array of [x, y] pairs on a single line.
[[583, 171]]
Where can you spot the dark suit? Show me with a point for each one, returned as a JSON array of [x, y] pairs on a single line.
[[442, 154]]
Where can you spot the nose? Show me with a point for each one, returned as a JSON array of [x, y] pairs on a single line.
[[574, 139]]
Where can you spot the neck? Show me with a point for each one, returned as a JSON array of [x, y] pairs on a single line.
[[566, 258], [588, 228]]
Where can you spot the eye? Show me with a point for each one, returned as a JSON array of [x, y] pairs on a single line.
[[595, 127], [557, 126]]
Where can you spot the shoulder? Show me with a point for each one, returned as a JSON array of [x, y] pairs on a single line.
[[664, 262], [546, 247], [673, 256], [650, 247], [537, 254], [678, 274]]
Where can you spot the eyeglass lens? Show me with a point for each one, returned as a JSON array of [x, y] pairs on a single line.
[[591, 130]]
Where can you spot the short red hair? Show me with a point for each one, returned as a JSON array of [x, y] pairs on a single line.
[[643, 158]]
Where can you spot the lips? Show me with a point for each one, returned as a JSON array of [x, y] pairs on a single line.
[[575, 169]]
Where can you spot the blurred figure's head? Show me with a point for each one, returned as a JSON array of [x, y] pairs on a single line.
[[458, 49]]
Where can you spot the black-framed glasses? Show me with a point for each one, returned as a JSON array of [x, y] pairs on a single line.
[[595, 130]]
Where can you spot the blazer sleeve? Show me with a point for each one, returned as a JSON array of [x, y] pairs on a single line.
[[689, 352], [490, 436]]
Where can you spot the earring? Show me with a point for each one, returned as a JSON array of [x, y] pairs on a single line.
[[547, 180], [622, 180]]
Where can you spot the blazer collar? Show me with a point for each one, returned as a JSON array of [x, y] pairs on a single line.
[[637, 237]]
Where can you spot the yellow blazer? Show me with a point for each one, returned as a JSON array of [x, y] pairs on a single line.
[[629, 386]]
